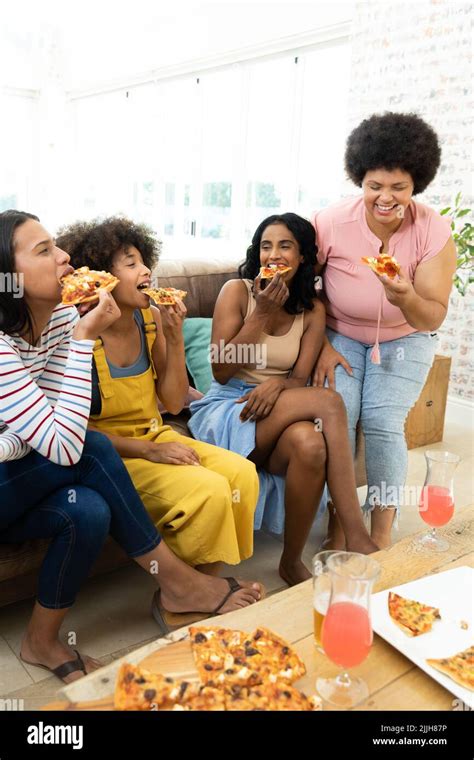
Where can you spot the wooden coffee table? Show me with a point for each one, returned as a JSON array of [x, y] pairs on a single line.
[[394, 682]]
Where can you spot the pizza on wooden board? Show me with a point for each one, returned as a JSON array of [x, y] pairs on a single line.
[[238, 671]]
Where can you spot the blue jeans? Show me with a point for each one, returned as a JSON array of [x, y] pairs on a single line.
[[77, 507], [380, 396]]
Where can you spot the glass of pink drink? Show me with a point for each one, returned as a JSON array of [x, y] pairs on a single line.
[[437, 500], [347, 631]]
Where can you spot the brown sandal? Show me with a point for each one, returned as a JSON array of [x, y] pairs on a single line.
[[64, 670]]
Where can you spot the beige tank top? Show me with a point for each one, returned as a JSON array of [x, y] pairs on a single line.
[[273, 355]]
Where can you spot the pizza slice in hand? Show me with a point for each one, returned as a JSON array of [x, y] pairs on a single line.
[[165, 296], [413, 618], [383, 264], [268, 272], [459, 667], [83, 285]]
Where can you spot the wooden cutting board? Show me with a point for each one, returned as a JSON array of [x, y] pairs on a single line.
[[175, 660]]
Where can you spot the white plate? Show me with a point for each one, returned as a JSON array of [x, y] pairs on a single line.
[[452, 592]]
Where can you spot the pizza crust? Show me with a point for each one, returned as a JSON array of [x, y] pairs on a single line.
[[464, 673]]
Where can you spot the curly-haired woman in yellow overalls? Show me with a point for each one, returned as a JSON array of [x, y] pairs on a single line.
[[202, 498]]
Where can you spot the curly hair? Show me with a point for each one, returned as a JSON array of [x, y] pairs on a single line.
[[302, 285], [95, 243], [393, 141]]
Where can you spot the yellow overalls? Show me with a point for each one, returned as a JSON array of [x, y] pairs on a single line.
[[205, 514]]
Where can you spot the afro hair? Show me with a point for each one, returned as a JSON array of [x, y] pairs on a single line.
[[95, 243], [394, 141]]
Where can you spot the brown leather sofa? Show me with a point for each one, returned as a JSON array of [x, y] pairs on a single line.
[[19, 563]]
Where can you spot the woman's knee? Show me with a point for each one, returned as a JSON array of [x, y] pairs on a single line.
[[327, 404], [306, 445], [86, 511]]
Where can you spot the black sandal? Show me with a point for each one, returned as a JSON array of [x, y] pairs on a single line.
[[64, 670], [171, 621]]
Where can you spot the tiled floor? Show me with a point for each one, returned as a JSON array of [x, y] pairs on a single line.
[[112, 614]]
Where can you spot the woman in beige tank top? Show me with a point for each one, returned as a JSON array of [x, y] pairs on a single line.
[[265, 340]]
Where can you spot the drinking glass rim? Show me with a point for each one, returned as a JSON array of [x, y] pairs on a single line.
[[442, 457], [330, 552], [372, 570]]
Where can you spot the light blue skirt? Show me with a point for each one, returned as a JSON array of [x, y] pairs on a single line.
[[216, 419]]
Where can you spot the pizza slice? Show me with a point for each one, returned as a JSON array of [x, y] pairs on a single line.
[[165, 296], [459, 667], [268, 272], [383, 264], [273, 657], [138, 689], [216, 653], [227, 657], [414, 618], [82, 285], [209, 698], [269, 697]]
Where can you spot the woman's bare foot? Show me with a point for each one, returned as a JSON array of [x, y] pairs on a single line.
[[293, 571], [335, 539], [206, 593], [363, 545], [381, 521], [54, 653]]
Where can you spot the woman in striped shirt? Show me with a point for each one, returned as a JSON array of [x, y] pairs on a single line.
[[58, 481]]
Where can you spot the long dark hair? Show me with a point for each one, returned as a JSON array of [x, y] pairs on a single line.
[[302, 285], [15, 316]]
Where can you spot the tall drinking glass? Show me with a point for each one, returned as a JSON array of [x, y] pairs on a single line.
[[347, 631]]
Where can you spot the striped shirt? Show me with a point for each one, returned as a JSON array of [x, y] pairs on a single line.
[[45, 391]]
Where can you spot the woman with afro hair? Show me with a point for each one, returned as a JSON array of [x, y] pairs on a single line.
[[379, 342], [259, 404]]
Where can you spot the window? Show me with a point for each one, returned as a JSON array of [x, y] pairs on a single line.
[[204, 158], [18, 126]]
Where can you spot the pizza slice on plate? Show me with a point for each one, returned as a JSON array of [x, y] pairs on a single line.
[[459, 667], [414, 618], [383, 264], [83, 285]]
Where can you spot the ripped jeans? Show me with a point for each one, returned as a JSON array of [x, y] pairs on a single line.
[[380, 396]]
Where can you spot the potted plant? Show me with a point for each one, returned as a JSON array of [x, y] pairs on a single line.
[[425, 422], [464, 240]]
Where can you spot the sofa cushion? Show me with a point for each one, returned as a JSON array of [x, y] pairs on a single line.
[[203, 281], [197, 339]]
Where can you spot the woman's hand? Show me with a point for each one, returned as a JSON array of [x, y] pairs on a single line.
[[96, 317], [328, 360], [172, 318], [171, 453], [272, 298], [261, 399], [397, 290]]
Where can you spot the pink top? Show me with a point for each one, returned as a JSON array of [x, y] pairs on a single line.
[[351, 291]]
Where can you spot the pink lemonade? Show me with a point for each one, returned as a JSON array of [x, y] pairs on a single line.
[[347, 634], [436, 505]]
